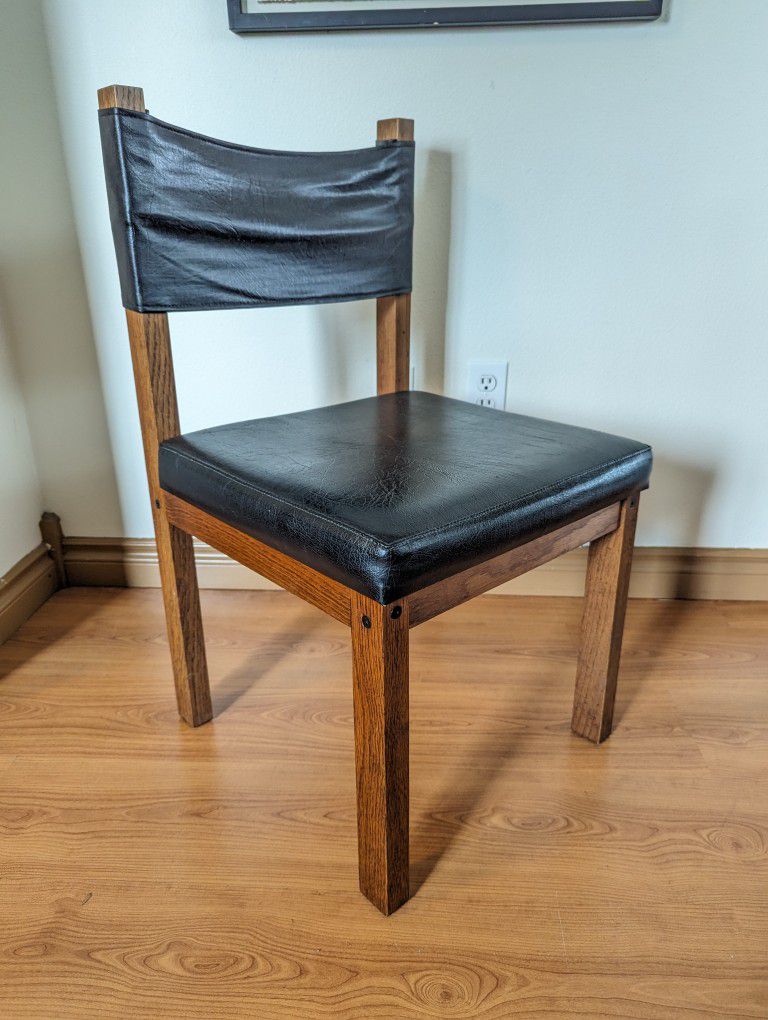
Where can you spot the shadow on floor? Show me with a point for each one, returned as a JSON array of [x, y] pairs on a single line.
[[227, 690], [44, 628]]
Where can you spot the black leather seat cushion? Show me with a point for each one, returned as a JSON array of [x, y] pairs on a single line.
[[392, 493]]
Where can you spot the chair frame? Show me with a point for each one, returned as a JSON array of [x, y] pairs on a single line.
[[379, 632]]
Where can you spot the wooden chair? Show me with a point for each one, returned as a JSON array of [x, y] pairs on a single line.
[[383, 512]]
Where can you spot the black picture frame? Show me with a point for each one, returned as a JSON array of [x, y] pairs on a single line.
[[573, 12]]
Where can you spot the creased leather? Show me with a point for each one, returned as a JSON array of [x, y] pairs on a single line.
[[392, 493], [200, 223]]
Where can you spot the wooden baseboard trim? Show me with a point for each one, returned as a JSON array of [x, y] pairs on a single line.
[[132, 563], [659, 573], [25, 588]]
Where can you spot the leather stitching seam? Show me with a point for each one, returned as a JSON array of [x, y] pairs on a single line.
[[388, 546]]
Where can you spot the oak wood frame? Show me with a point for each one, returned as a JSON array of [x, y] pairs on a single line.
[[379, 632]]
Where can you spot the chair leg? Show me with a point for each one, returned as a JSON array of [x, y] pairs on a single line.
[[602, 628], [380, 661], [184, 621], [159, 416]]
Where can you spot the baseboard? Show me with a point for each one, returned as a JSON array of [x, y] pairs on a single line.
[[661, 573], [656, 573], [25, 588]]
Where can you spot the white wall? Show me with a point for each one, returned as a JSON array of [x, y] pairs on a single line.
[[592, 204], [20, 496], [38, 261], [43, 305]]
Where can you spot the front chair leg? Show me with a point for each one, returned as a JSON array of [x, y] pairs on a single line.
[[602, 627], [380, 661]]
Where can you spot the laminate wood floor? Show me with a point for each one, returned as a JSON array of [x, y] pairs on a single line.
[[149, 870]]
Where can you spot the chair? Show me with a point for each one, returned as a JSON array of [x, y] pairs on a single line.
[[382, 512]]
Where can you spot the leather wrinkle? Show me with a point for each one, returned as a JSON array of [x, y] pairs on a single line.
[[423, 534], [389, 494], [201, 224]]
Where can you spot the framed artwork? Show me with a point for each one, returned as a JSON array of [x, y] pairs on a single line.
[[324, 15]]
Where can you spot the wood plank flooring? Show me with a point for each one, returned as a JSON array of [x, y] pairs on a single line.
[[149, 870]]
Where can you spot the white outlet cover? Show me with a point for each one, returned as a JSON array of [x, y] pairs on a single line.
[[487, 384]]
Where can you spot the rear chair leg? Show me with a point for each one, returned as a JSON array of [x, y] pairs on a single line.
[[380, 661], [159, 416], [184, 621], [602, 627]]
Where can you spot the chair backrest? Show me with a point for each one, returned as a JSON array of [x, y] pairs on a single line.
[[162, 245], [200, 223], [377, 223]]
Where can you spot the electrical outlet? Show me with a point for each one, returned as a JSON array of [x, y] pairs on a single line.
[[487, 383]]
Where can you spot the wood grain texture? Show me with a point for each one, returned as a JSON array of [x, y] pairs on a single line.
[[153, 871], [312, 586], [127, 97], [461, 587], [159, 417], [393, 313], [602, 627], [393, 343], [380, 696], [394, 129]]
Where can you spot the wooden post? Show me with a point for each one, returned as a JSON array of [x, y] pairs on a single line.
[[380, 659], [393, 313], [159, 416], [53, 536], [602, 628]]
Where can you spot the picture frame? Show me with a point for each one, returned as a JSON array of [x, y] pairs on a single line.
[[335, 15]]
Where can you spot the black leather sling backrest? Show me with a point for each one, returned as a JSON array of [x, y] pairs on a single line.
[[199, 223]]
